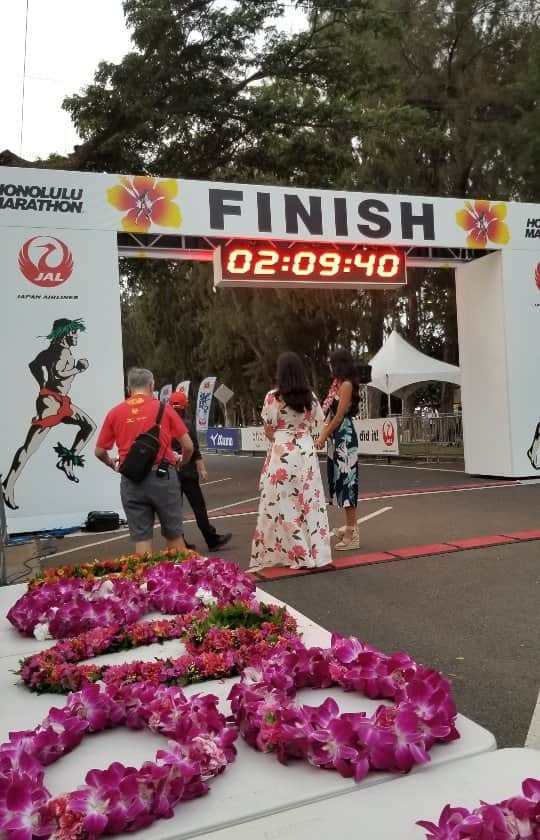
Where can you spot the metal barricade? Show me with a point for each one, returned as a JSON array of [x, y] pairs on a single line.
[[431, 436]]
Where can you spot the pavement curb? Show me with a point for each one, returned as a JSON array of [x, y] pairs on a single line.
[[406, 553]]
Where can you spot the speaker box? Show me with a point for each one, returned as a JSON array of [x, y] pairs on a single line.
[[364, 374], [102, 520]]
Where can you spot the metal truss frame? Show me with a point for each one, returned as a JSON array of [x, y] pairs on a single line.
[[167, 246]]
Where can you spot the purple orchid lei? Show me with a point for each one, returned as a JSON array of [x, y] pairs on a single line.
[[178, 589], [394, 738], [72, 606], [517, 818], [120, 798]]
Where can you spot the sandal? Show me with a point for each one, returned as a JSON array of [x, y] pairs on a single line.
[[350, 540], [338, 532]]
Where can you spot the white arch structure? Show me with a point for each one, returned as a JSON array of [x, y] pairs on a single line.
[[60, 237]]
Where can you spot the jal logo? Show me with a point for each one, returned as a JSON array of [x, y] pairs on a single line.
[[388, 433], [46, 261], [537, 276]]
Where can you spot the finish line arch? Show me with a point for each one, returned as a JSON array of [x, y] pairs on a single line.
[[61, 234]]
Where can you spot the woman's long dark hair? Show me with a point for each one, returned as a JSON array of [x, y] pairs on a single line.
[[345, 369], [292, 384]]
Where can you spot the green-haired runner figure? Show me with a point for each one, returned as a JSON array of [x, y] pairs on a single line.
[[54, 369]]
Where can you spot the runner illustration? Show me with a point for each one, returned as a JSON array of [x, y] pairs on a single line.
[[54, 369], [532, 452]]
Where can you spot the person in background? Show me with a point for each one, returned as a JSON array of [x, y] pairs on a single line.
[[342, 406], [292, 524], [191, 474], [158, 493]]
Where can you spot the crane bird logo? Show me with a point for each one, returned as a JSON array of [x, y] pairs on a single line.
[[388, 432], [50, 268]]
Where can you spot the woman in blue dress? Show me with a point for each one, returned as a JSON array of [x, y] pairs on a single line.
[[342, 404]]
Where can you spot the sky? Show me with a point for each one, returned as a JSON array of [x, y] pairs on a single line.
[[66, 41]]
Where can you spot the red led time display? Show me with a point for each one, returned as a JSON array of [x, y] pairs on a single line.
[[248, 263]]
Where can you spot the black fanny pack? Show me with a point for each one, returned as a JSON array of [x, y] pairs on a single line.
[[143, 451]]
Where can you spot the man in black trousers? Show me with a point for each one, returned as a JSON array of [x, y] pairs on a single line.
[[192, 474]]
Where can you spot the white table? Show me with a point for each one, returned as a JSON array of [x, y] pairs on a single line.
[[388, 812], [12, 643], [253, 786]]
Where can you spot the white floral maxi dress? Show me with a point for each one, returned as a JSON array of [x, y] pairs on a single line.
[[292, 524]]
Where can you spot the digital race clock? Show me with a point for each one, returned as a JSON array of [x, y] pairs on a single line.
[[297, 265]]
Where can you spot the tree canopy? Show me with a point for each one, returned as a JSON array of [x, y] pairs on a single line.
[[432, 97]]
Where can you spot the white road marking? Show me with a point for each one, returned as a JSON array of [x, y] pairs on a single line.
[[409, 467], [235, 504], [373, 515], [205, 484], [87, 545], [227, 516], [123, 535], [533, 737], [397, 495], [408, 494]]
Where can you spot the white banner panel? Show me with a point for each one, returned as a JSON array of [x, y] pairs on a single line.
[[204, 401], [165, 393], [61, 365], [521, 296], [183, 387], [254, 439], [142, 204], [377, 437]]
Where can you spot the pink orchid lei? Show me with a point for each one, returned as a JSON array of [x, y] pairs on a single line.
[[56, 670], [223, 653], [512, 819], [119, 798], [394, 738], [179, 589], [330, 397], [72, 606]]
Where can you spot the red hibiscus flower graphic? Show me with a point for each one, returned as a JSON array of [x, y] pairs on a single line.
[[146, 201], [484, 222]]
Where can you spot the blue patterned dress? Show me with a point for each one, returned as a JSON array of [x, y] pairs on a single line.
[[343, 463]]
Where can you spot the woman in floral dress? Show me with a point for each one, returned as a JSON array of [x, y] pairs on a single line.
[[292, 525], [340, 407]]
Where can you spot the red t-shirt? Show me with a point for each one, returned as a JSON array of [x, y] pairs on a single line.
[[135, 415]]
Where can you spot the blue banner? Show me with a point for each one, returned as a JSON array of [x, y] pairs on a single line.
[[224, 439]]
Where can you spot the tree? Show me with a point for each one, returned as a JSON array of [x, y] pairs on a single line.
[[421, 97]]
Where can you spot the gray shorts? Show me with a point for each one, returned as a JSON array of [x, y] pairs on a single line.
[[152, 496]]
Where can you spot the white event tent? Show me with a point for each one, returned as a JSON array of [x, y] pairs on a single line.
[[399, 365]]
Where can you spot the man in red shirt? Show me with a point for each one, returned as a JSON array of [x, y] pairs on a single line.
[[159, 492]]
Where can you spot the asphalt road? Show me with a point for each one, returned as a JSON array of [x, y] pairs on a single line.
[[472, 614]]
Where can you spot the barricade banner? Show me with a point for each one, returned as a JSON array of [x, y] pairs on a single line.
[[254, 439], [223, 439], [62, 364], [377, 437], [204, 400]]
